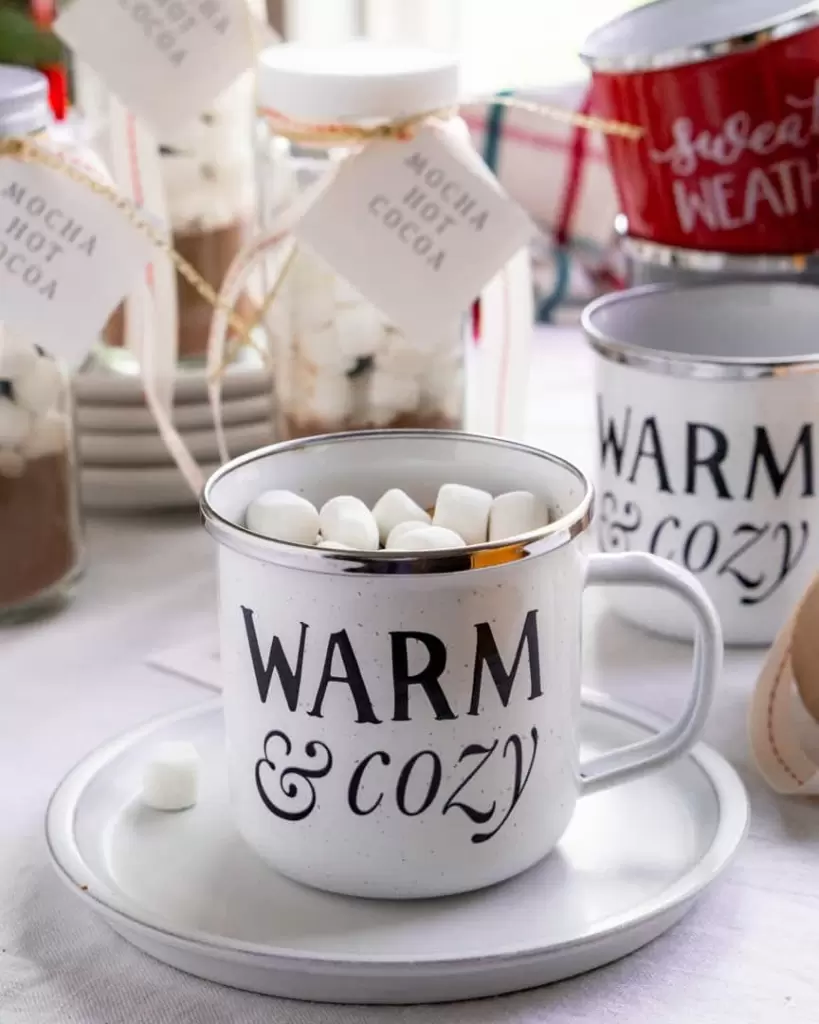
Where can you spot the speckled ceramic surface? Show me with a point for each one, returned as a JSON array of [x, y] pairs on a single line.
[[186, 889]]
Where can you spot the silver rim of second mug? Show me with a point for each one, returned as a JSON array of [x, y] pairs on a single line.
[[700, 53], [411, 563], [796, 266], [676, 364]]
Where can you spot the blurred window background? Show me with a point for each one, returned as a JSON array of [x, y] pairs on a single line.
[[510, 43]]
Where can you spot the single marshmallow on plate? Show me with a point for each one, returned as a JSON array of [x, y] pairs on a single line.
[[347, 520], [429, 538], [282, 515], [465, 510], [515, 513], [394, 508], [396, 536], [170, 780]]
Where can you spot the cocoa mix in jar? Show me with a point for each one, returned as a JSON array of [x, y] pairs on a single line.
[[40, 536], [207, 171]]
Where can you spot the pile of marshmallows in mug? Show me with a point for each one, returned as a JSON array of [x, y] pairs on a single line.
[[462, 516]]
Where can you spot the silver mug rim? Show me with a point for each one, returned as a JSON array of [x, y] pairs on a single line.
[[379, 563], [712, 261], [700, 53], [690, 367]]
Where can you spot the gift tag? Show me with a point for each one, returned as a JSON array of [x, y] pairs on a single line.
[[419, 227], [67, 258], [165, 60]]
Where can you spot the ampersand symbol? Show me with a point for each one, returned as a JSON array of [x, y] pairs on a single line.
[[294, 783]]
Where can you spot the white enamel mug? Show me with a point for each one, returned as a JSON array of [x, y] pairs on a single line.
[[707, 404], [405, 725]]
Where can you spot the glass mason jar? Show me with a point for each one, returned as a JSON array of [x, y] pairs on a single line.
[[40, 531], [207, 173], [339, 364]]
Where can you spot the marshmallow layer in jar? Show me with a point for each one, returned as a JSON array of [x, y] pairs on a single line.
[[339, 363], [40, 530]]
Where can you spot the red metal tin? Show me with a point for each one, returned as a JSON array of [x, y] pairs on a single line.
[[728, 97]]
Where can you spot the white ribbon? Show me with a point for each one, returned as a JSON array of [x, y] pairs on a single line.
[[236, 281], [151, 313]]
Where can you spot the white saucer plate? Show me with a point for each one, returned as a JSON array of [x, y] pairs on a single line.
[[138, 489], [100, 386], [124, 450], [135, 419], [185, 889]]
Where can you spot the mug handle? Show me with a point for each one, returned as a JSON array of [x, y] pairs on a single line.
[[638, 569]]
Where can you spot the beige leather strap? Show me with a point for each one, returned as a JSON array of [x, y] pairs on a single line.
[[781, 731]]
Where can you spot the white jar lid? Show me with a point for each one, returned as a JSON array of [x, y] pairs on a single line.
[[356, 81], [23, 101]]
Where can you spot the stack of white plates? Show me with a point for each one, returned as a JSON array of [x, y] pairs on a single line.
[[125, 464]]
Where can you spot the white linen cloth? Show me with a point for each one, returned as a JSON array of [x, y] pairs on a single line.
[[745, 955]]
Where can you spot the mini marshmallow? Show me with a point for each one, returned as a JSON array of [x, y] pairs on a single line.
[[333, 545], [401, 358], [393, 393], [170, 780], [319, 346], [442, 389], [465, 510], [360, 330], [282, 515], [15, 422], [515, 513], [330, 399], [39, 389], [49, 435], [347, 520], [17, 357], [395, 541], [429, 538], [394, 508]]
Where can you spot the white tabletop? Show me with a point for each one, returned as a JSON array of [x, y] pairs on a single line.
[[746, 954]]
